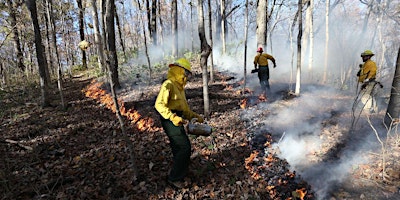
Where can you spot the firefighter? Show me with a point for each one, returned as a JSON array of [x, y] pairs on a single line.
[[174, 112], [367, 77], [261, 65]]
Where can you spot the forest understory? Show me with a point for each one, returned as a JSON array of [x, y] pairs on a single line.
[[80, 153]]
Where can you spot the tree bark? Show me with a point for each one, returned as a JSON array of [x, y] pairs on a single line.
[[49, 8], [112, 50], [393, 109], [298, 73], [327, 13], [112, 66], [246, 24], [17, 43], [223, 26], [82, 31], [153, 22], [211, 42], [97, 37], [121, 41], [205, 52], [174, 16], [145, 44], [261, 23], [31, 4]]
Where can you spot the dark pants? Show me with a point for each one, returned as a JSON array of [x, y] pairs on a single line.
[[181, 149], [263, 76]]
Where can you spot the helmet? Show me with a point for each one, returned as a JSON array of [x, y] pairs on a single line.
[[260, 49], [182, 62], [367, 53]]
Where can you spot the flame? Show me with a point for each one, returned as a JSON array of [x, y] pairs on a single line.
[[301, 193], [94, 91], [243, 103]]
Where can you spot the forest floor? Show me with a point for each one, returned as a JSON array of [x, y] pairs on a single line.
[[80, 152]]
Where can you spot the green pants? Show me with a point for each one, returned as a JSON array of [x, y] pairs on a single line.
[[181, 149], [263, 76]]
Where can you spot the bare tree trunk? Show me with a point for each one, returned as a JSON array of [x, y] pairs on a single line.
[[327, 13], [211, 42], [103, 22], [298, 74], [112, 50], [393, 109], [112, 65], [161, 28], [174, 16], [246, 26], [191, 25], [120, 33], [153, 22], [17, 43], [3, 79], [205, 52], [311, 36], [145, 44], [81, 31], [223, 27], [47, 47], [49, 8], [261, 23], [97, 37], [31, 4]]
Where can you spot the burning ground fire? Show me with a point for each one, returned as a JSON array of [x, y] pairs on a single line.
[[272, 173], [94, 91]]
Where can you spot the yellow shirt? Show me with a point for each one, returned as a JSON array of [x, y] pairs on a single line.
[[262, 59], [172, 95], [368, 71]]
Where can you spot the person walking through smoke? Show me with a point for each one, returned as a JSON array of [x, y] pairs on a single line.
[[261, 65], [367, 76], [173, 107]]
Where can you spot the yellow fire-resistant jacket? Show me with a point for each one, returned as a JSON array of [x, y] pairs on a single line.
[[368, 71], [172, 95], [262, 59]]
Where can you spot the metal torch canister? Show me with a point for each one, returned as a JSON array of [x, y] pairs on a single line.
[[198, 129]]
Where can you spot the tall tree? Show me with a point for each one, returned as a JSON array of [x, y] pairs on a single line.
[[393, 109], [121, 41], [223, 26], [113, 79], [174, 31], [82, 30], [299, 36], [111, 47], [153, 22], [17, 43], [145, 41], [261, 23], [222, 22], [52, 26], [97, 37], [327, 13], [205, 52], [211, 42], [42, 63], [246, 29]]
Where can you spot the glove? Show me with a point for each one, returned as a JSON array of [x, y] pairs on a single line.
[[364, 85], [200, 119], [176, 120]]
